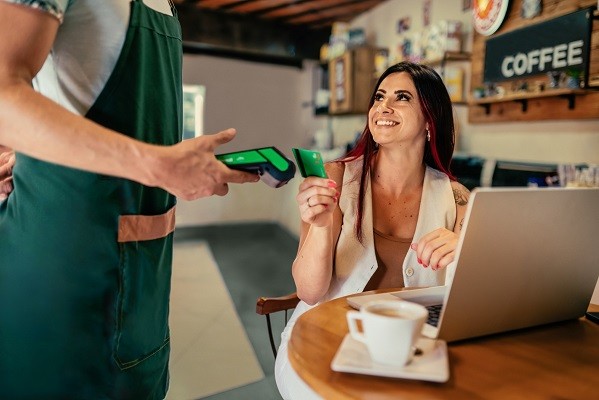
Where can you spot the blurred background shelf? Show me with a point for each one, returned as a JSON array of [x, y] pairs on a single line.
[[523, 98]]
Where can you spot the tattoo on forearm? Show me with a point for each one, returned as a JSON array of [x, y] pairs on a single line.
[[460, 197], [461, 223]]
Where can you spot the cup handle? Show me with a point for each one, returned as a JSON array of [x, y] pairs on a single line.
[[352, 318]]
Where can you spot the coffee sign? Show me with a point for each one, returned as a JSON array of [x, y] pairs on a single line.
[[559, 44]]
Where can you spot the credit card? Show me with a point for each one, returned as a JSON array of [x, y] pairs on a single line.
[[309, 163]]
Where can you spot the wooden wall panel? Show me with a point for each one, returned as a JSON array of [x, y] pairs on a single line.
[[586, 106]]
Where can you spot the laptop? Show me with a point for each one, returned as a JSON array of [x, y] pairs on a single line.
[[525, 257]]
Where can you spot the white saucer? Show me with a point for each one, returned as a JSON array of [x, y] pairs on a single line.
[[431, 365]]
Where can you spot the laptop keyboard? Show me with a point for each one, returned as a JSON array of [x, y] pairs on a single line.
[[434, 312]]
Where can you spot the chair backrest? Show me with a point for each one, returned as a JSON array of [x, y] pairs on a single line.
[[269, 305]]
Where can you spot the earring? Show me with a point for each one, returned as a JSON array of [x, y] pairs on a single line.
[[428, 135]]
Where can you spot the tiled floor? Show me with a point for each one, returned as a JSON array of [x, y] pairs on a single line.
[[254, 260], [210, 350]]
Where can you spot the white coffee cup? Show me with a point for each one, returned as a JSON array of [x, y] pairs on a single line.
[[390, 329]]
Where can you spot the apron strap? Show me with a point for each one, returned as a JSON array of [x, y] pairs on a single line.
[[135, 228], [170, 3], [173, 9]]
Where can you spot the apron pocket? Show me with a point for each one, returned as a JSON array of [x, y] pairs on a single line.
[[145, 244]]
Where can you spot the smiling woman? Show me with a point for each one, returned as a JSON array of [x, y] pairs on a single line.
[[389, 214], [397, 108]]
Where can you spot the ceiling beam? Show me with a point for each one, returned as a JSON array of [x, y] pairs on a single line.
[[248, 37]]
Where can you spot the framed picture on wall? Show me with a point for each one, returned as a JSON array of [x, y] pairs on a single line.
[[426, 12], [466, 5], [403, 25], [531, 8]]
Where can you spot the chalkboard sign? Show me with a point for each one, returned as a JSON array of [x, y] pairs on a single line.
[[559, 44]]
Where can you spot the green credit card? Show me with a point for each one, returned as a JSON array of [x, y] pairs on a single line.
[[309, 163]]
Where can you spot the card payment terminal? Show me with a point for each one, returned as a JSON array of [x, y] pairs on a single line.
[[272, 166]]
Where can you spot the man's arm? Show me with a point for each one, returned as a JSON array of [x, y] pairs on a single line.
[[35, 125], [7, 161]]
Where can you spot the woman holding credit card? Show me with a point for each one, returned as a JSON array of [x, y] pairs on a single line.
[[390, 212]]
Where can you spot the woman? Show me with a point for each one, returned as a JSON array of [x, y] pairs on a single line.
[[390, 213]]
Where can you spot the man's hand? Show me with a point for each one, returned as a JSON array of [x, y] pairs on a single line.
[[191, 170], [7, 162]]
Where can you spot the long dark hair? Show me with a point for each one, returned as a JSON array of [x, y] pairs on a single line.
[[438, 113]]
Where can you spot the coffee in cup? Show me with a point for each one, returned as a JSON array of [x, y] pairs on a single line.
[[390, 329]]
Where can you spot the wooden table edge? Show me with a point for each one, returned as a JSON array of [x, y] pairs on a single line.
[[298, 363]]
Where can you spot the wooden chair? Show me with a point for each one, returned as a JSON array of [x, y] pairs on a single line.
[[269, 305]]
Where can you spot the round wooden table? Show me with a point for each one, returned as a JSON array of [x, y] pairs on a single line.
[[553, 361]]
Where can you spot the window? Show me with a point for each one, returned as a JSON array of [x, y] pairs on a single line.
[[193, 110]]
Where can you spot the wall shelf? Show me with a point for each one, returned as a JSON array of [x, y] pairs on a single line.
[[522, 98], [460, 103], [448, 56]]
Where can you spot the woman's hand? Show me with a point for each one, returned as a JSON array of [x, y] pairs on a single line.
[[316, 199], [7, 162], [436, 249]]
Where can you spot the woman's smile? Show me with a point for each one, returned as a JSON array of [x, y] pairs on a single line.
[[386, 122]]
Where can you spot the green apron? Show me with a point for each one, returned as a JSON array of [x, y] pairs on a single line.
[[85, 259]]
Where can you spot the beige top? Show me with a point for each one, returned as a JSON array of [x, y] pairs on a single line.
[[390, 253], [356, 262]]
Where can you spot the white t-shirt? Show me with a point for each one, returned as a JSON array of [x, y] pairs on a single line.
[[86, 49]]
